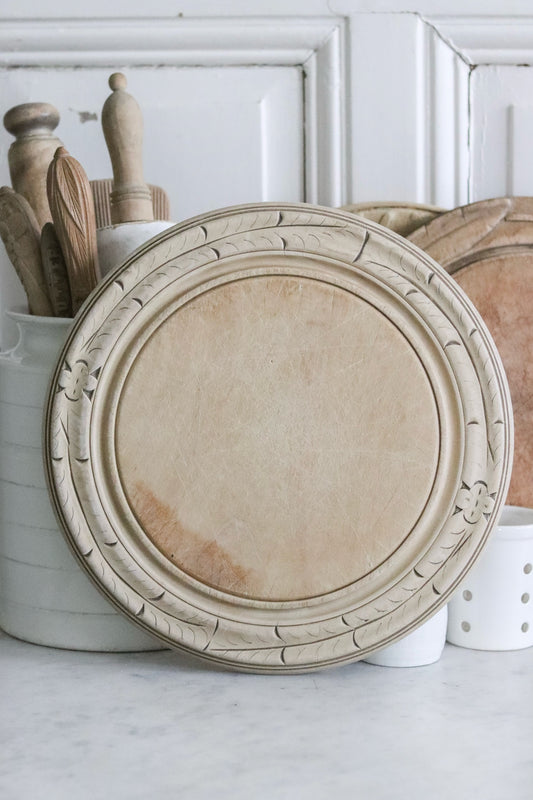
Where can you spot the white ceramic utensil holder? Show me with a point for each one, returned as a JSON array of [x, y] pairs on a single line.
[[418, 649], [493, 608], [117, 242], [45, 597]]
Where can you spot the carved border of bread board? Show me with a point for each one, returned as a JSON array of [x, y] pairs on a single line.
[[463, 366], [401, 217]]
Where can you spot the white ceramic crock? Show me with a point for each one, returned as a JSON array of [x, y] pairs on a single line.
[[117, 242], [493, 608], [418, 649], [45, 597]]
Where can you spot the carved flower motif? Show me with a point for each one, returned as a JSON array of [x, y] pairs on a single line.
[[474, 502], [77, 379]]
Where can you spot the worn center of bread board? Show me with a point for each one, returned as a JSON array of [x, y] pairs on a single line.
[[277, 438]]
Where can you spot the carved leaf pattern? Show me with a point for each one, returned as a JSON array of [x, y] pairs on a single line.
[[477, 222], [335, 649], [72, 206], [251, 659], [55, 272]]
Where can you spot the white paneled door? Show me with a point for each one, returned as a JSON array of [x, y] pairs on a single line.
[[501, 131], [212, 136]]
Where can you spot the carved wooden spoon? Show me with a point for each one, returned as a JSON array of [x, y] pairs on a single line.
[[55, 272], [72, 207]]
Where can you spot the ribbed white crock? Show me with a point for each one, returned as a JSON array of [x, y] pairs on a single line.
[[45, 597]]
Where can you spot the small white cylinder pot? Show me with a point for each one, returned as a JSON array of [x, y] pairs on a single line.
[[45, 596], [493, 608], [117, 242], [418, 649]]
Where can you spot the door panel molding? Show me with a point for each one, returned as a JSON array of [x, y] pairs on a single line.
[[315, 44], [488, 39], [445, 109], [498, 118]]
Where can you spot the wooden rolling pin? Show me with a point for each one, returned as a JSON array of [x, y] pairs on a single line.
[[31, 153], [131, 200], [132, 215], [102, 188]]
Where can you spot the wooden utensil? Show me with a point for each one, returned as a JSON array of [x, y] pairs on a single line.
[[31, 153], [122, 124], [102, 189], [131, 205], [71, 203], [20, 234], [488, 248], [55, 272]]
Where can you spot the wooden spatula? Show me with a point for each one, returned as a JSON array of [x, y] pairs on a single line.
[[21, 237]]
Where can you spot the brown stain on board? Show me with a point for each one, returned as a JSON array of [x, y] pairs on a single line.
[[204, 560], [501, 288]]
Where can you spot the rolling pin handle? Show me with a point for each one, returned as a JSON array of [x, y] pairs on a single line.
[[122, 123]]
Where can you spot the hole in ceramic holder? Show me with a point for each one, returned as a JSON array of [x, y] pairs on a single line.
[[525, 598], [467, 594], [525, 627], [528, 568], [465, 626]]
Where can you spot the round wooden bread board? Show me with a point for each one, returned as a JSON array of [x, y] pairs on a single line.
[[488, 248], [278, 437], [401, 217]]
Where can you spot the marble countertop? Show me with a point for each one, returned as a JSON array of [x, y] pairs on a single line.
[[158, 725]]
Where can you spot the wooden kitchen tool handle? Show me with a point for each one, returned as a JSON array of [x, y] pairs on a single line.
[[55, 272], [131, 200], [102, 188], [30, 154], [71, 202], [20, 233]]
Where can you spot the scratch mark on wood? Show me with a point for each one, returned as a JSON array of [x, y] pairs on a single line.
[[360, 253]]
